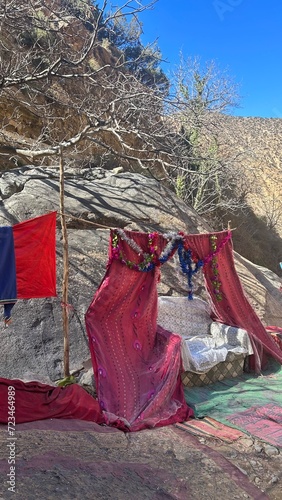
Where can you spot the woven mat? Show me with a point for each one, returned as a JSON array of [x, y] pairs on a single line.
[[250, 403]]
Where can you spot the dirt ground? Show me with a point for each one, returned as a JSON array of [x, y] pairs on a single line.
[[75, 460], [259, 462]]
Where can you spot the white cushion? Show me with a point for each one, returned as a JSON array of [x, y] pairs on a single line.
[[236, 339], [183, 316]]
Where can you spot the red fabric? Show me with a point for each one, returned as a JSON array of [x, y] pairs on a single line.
[[137, 366], [35, 253], [234, 309], [36, 401]]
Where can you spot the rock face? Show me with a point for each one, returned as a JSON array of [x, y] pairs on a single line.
[[95, 200]]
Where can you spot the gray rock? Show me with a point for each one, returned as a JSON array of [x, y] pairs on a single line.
[[271, 450], [95, 200], [273, 480], [258, 448], [87, 378]]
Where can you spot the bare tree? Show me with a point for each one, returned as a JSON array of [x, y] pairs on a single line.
[[65, 87], [205, 174], [66, 90], [273, 211]]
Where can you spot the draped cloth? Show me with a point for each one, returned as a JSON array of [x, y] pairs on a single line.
[[137, 364], [29, 401], [234, 309]]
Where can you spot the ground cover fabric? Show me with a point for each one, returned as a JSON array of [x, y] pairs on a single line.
[[30, 401], [250, 403], [276, 334]]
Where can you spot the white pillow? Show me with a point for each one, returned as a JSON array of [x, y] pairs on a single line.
[[232, 337], [183, 316]]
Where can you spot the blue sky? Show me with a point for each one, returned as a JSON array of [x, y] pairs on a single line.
[[244, 36]]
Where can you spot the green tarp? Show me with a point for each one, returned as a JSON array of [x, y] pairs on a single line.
[[250, 403]]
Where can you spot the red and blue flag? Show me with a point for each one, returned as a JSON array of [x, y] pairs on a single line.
[[27, 261]]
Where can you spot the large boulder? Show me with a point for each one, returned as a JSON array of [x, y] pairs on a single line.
[[95, 200]]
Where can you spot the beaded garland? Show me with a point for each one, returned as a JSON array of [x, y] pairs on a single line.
[[189, 263]]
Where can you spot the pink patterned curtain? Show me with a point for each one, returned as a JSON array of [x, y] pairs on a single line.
[[137, 366], [234, 309]]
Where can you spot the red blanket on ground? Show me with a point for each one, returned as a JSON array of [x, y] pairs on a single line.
[[29, 401]]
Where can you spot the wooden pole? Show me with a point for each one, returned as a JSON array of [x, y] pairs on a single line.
[[65, 283]]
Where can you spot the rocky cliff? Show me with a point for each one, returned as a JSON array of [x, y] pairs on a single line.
[[95, 200]]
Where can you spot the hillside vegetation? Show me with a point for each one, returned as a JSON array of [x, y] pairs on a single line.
[[258, 143]]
